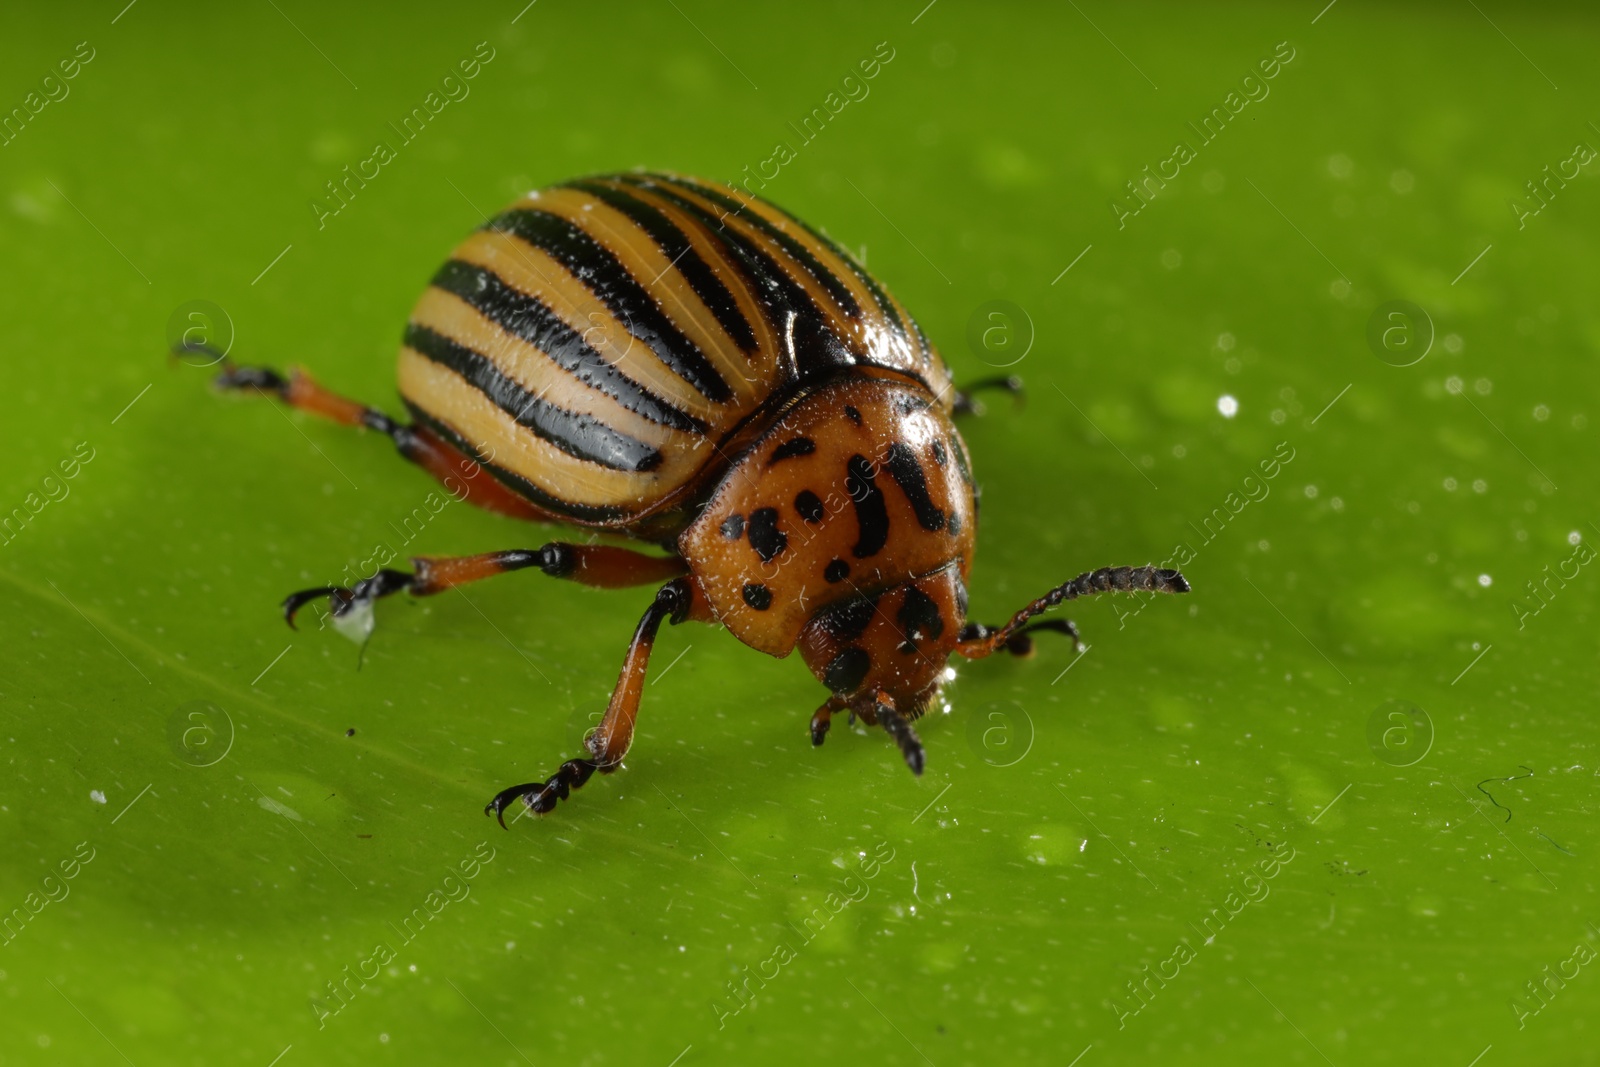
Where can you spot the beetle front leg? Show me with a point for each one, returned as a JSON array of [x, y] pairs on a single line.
[[822, 719], [676, 601], [1019, 643], [880, 708]]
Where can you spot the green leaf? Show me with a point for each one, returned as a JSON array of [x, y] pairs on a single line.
[[1338, 800]]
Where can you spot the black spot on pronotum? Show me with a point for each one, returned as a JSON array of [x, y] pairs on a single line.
[[872, 515], [757, 596], [903, 467], [765, 537], [953, 525], [837, 571], [849, 620], [809, 505], [794, 446], [733, 527], [845, 671], [852, 414], [939, 455], [919, 617]]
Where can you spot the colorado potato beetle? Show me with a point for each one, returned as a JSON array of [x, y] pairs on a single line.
[[682, 363]]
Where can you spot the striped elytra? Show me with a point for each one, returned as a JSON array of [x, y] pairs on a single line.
[[678, 362], [601, 340]]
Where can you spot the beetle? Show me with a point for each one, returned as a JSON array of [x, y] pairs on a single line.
[[682, 363]]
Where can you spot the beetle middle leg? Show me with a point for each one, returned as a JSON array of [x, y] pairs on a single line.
[[676, 601], [602, 566]]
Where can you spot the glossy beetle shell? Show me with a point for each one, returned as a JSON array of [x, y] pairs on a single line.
[[602, 344]]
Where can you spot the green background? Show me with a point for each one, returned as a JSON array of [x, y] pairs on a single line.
[[1072, 827]]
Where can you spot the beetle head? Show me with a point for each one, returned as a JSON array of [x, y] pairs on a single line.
[[893, 641]]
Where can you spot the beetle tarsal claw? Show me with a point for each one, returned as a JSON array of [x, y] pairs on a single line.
[[819, 728], [541, 798], [350, 610]]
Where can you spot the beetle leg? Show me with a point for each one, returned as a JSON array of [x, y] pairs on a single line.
[[542, 797], [603, 566], [447, 463], [899, 727], [1020, 644], [967, 404], [676, 601], [823, 718], [978, 641]]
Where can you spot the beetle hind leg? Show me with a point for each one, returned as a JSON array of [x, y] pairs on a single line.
[[298, 389], [444, 461]]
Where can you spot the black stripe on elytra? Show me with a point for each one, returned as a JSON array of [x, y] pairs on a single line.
[[593, 264], [765, 537], [879, 297], [794, 446], [872, 515], [962, 463], [582, 436], [787, 306], [528, 319], [902, 465], [589, 513], [676, 247], [794, 249]]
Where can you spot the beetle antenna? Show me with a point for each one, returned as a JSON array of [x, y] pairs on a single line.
[[979, 641]]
